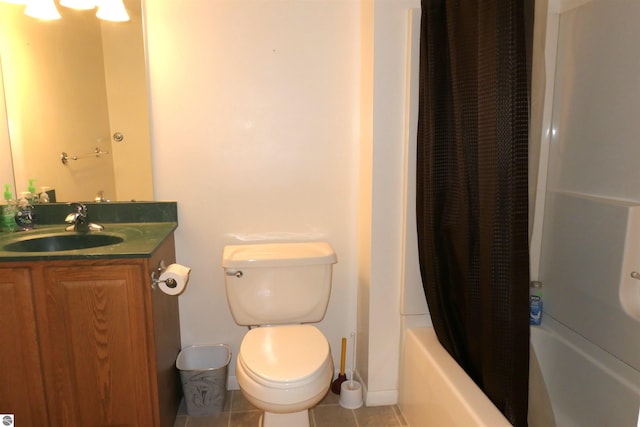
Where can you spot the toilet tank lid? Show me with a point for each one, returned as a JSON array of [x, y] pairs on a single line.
[[278, 254]]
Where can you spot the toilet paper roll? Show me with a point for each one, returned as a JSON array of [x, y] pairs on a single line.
[[179, 273]]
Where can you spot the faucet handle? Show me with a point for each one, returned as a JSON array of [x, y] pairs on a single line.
[[72, 218], [79, 208], [95, 227]]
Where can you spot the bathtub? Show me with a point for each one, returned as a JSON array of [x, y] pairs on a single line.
[[435, 391], [572, 383], [586, 386]]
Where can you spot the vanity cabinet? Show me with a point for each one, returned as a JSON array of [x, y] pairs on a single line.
[[21, 381], [88, 342]]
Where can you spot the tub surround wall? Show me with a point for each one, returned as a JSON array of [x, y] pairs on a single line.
[[592, 172], [591, 149], [591, 190], [588, 260]]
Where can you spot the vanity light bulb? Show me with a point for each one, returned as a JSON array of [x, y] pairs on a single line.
[[112, 10], [42, 9], [78, 4]]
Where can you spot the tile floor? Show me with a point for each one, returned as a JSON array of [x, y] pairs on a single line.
[[238, 412]]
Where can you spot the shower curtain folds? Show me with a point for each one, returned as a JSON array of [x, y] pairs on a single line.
[[472, 171]]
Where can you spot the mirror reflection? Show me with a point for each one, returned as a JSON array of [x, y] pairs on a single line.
[[77, 86]]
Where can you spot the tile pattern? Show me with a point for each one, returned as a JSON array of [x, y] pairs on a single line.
[[238, 412]]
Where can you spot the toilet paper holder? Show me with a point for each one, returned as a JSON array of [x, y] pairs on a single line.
[[155, 277]]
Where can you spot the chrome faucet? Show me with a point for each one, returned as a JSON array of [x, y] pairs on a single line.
[[79, 220], [100, 197]]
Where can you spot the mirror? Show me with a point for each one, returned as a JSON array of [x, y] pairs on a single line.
[[74, 86]]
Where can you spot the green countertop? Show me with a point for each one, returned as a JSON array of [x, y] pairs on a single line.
[[143, 226], [140, 240]]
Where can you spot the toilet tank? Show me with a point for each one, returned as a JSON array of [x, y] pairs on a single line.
[[278, 283]]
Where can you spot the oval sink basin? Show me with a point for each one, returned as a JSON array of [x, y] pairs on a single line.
[[62, 242]]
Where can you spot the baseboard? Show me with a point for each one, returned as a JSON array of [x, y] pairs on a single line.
[[376, 398], [381, 398], [232, 383]]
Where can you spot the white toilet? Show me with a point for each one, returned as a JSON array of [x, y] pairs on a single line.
[[284, 366]]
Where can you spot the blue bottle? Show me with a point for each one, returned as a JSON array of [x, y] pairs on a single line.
[[535, 303]]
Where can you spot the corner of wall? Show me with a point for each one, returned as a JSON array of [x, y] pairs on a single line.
[[365, 204]]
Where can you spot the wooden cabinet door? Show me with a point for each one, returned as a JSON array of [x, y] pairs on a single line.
[[21, 386], [94, 344]]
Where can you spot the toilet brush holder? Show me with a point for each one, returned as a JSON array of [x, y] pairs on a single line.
[[350, 394]]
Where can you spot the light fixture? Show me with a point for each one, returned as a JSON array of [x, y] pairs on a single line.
[[112, 10], [78, 4], [42, 9]]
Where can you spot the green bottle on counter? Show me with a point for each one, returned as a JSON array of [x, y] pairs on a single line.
[[9, 211]]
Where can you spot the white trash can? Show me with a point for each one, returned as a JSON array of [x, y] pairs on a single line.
[[203, 371]]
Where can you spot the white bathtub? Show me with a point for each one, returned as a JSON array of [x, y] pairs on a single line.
[[435, 391], [587, 387], [573, 384]]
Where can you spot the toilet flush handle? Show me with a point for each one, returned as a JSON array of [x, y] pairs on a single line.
[[237, 273]]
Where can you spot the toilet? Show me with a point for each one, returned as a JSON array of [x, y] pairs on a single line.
[[284, 366]]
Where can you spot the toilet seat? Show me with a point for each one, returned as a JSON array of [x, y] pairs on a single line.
[[284, 369], [284, 357]]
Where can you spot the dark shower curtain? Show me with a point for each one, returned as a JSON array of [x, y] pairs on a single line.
[[472, 208]]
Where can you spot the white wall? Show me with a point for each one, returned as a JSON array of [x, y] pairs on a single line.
[[390, 80], [257, 111], [255, 119]]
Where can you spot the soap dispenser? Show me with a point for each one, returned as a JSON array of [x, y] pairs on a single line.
[[44, 196], [33, 195], [25, 215], [9, 211]]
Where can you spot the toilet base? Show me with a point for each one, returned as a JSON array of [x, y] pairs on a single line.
[[292, 419]]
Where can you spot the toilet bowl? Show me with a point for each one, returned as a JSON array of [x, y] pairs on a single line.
[[284, 365], [284, 370]]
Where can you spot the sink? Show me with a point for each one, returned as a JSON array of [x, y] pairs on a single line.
[[62, 242]]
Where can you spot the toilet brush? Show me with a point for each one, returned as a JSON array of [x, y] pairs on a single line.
[[337, 383]]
